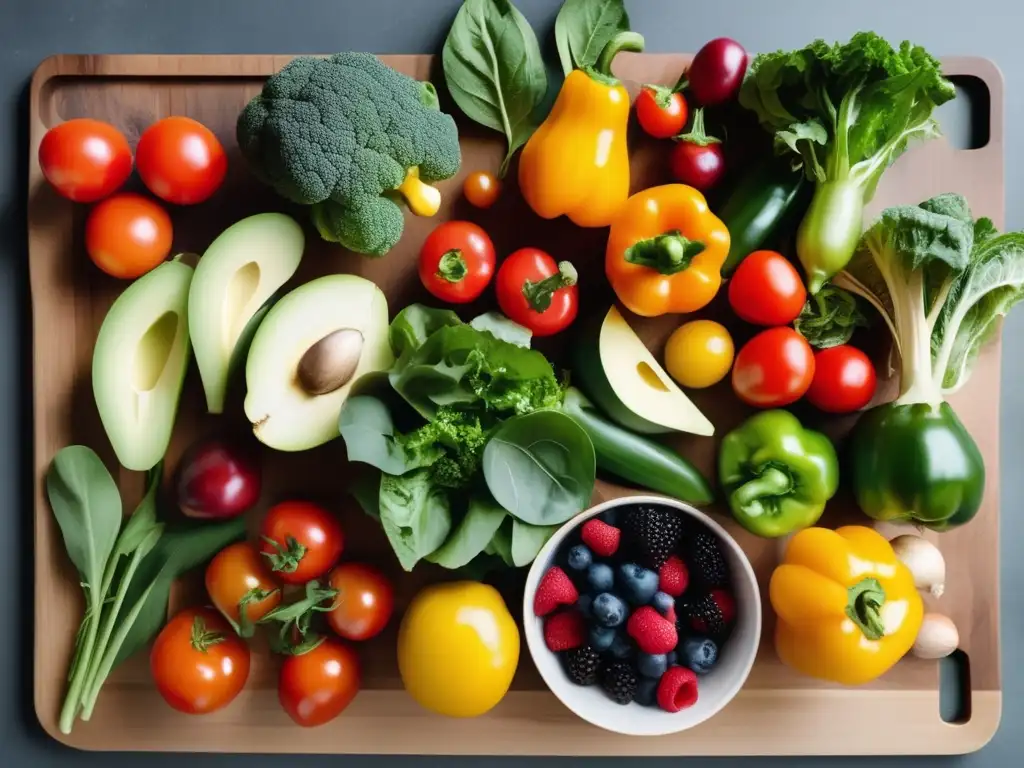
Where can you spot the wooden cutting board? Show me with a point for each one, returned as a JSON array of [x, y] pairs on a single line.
[[778, 712]]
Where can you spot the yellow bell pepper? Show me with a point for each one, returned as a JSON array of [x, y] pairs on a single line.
[[665, 251], [576, 163], [847, 608]]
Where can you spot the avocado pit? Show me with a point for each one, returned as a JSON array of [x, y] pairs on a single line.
[[330, 363]]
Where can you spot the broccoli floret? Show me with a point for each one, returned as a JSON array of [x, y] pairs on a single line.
[[351, 137], [462, 439]]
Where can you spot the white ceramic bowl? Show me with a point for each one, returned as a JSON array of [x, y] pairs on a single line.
[[715, 689]]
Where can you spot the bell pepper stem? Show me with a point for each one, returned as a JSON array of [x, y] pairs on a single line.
[[538, 295], [771, 482], [864, 607], [668, 253], [452, 266], [623, 41]]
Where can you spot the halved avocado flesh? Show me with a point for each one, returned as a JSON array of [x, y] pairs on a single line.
[[139, 364]]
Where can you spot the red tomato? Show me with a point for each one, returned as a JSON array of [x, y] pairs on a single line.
[[457, 262], [773, 369], [536, 292], [127, 235], [180, 160], [301, 541], [364, 601], [481, 189], [198, 663], [238, 575], [85, 160], [697, 158], [316, 686], [660, 112], [766, 289], [844, 380]]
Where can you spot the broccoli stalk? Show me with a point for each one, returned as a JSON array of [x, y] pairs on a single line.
[[354, 139]]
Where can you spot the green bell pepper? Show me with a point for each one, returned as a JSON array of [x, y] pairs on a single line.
[[916, 463], [777, 475]]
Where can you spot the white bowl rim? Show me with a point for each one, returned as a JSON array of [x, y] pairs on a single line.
[[544, 555]]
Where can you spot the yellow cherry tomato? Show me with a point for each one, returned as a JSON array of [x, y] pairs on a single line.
[[458, 648], [699, 354]]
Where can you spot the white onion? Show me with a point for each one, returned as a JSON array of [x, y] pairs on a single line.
[[924, 560], [937, 638]]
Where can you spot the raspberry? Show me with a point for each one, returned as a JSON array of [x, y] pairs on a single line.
[[653, 533], [673, 577], [620, 682], [652, 632], [565, 631], [603, 539], [583, 665], [555, 589], [677, 689]]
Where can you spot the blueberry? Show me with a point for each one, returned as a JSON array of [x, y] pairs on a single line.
[[584, 603], [672, 658], [699, 654], [647, 692], [601, 637], [638, 583], [651, 665], [579, 558], [608, 609], [663, 602], [621, 647], [600, 577]]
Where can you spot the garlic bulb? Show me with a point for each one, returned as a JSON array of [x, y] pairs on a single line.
[[937, 638], [924, 560]]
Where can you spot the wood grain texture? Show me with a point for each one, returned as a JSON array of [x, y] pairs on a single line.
[[778, 712]]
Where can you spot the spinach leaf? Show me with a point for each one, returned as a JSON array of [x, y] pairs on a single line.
[[501, 544], [829, 318], [415, 515], [527, 541], [414, 324], [540, 467], [500, 327], [584, 27], [472, 535], [494, 70], [87, 505], [369, 434], [365, 489]]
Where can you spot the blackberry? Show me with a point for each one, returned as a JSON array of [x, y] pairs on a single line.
[[652, 532], [583, 665], [705, 617], [619, 682], [706, 561]]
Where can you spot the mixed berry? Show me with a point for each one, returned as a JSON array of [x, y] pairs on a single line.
[[639, 604]]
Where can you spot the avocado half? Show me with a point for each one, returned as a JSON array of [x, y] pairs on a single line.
[[139, 363], [615, 369], [307, 353]]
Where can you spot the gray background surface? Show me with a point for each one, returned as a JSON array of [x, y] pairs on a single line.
[[30, 30]]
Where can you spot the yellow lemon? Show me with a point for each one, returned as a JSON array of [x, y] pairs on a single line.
[[699, 354], [458, 648]]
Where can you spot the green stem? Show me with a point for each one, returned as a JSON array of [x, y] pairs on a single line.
[[697, 134], [202, 638], [452, 266], [623, 41], [538, 295], [667, 253], [865, 599], [74, 697], [771, 482]]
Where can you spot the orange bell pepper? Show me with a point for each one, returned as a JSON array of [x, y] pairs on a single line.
[[665, 251], [847, 608]]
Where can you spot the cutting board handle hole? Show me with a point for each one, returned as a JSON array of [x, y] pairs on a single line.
[[955, 688], [966, 121]]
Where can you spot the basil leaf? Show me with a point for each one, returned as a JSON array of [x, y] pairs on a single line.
[[369, 434], [500, 327], [415, 515], [584, 27], [494, 70], [527, 541], [829, 318], [541, 467], [473, 534]]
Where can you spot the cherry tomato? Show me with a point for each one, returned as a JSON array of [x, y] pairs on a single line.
[[766, 289], [481, 189], [301, 541], [198, 663], [180, 160], [127, 235], [773, 369], [85, 160], [699, 354], [457, 262], [844, 380], [316, 686], [364, 602], [660, 112], [716, 72], [239, 576], [536, 292]]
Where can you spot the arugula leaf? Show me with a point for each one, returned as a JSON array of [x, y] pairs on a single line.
[[473, 534], [829, 318], [584, 27], [415, 515], [494, 70]]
